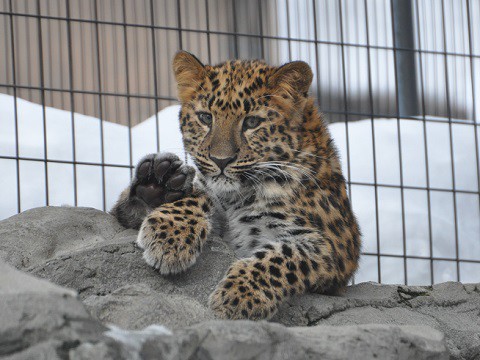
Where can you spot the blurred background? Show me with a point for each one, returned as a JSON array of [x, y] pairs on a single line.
[[86, 89]]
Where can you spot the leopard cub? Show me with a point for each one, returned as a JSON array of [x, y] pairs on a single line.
[[268, 168]]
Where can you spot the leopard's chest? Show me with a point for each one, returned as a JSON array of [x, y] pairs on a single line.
[[253, 226]]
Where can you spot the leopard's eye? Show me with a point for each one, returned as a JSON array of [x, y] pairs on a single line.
[[205, 118], [251, 122]]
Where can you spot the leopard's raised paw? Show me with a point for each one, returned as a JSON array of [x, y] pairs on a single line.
[[162, 178]]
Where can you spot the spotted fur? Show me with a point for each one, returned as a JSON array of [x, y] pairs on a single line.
[[267, 162]]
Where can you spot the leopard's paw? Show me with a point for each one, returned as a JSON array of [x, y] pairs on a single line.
[[162, 178], [244, 294], [171, 247]]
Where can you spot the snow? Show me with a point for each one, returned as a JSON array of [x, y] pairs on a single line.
[[88, 146], [360, 157]]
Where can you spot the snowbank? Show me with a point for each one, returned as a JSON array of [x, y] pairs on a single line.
[[360, 157]]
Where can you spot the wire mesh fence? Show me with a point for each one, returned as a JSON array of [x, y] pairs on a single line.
[[86, 86]]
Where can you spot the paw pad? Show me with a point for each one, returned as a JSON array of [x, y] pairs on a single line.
[[162, 178]]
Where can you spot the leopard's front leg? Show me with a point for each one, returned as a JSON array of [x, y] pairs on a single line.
[[171, 210], [255, 287], [173, 235]]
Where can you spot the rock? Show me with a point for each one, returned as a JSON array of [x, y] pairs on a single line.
[[248, 340], [42, 320], [137, 306], [41, 234], [447, 307], [38, 317], [88, 251]]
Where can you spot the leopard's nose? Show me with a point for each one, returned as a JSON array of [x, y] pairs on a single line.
[[223, 163]]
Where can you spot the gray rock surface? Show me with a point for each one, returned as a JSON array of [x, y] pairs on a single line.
[[87, 251]]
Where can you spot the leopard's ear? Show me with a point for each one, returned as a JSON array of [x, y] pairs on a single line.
[[294, 78], [189, 72]]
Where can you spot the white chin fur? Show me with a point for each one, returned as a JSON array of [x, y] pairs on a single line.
[[223, 186]]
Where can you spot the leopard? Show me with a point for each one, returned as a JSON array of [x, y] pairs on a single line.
[[267, 178]]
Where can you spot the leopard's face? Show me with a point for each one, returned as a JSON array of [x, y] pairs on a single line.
[[236, 124]]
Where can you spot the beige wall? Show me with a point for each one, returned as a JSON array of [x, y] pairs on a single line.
[[123, 61]]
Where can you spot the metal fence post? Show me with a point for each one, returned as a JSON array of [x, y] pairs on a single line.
[[405, 59]]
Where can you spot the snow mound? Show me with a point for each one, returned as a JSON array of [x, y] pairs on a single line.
[[368, 144]]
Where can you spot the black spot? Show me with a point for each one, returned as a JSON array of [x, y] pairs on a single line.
[[304, 267], [203, 234], [152, 221], [235, 302], [299, 221], [275, 215], [316, 221], [275, 282], [291, 266], [277, 260], [260, 254], [314, 264], [162, 235], [277, 150], [333, 228], [215, 84], [205, 207], [275, 271], [286, 250], [253, 285], [242, 289], [228, 285], [268, 294], [249, 219], [292, 278], [300, 231], [333, 201], [246, 105], [192, 203], [210, 102], [259, 267], [324, 204], [170, 241]]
